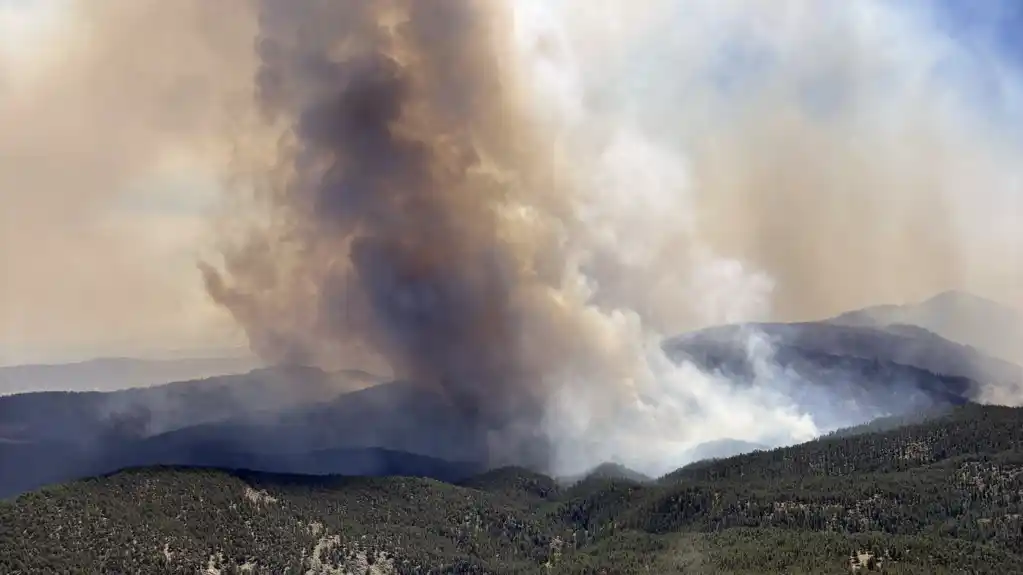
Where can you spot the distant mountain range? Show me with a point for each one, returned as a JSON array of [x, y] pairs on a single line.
[[304, 420], [991, 327], [859, 365], [297, 419], [111, 374]]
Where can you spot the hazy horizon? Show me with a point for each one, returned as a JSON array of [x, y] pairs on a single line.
[[243, 351]]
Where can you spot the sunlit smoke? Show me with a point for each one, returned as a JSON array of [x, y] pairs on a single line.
[[743, 160]]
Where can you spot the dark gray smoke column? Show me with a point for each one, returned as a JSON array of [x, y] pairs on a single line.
[[392, 220]]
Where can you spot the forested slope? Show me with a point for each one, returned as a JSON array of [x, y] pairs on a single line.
[[943, 496]]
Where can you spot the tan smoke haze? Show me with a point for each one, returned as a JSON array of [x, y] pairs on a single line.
[[514, 202], [110, 97]]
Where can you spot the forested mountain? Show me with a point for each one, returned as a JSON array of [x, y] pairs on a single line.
[[908, 353], [283, 419], [943, 495], [845, 375], [280, 420]]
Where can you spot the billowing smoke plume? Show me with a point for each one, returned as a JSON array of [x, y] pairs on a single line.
[[417, 215], [513, 204]]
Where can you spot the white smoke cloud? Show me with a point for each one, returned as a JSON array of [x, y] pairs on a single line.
[[701, 134], [637, 213]]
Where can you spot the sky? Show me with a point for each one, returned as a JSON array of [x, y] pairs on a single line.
[[117, 129]]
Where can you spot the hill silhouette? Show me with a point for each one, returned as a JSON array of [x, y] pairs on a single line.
[[989, 326], [280, 418], [283, 419], [849, 374]]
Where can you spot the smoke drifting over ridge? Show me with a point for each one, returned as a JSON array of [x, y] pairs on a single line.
[[419, 208], [644, 168], [505, 205], [393, 207]]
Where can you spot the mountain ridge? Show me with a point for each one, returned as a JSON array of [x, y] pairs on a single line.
[[842, 375], [887, 501], [991, 327]]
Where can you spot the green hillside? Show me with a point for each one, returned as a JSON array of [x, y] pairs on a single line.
[[944, 496]]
